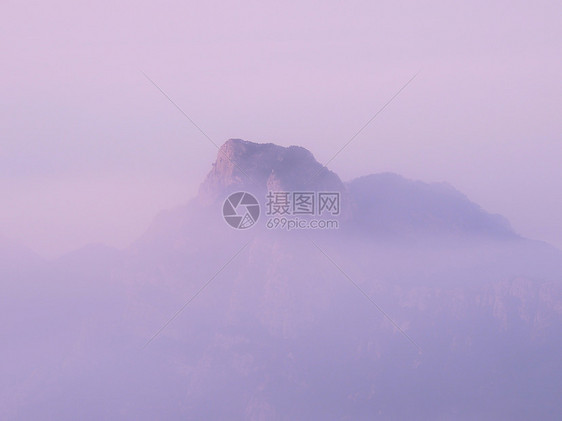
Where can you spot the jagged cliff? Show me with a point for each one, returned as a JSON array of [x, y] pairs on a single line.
[[243, 165]]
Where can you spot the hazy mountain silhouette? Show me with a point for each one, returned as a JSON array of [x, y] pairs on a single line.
[[389, 205], [420, 306]]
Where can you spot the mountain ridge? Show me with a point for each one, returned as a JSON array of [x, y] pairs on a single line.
[[385, 205]]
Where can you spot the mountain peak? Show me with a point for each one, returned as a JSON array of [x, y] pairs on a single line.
[[258, 167]]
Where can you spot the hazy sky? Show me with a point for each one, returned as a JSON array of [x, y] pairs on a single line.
[[90, 151]]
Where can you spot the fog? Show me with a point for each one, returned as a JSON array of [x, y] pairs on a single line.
[[420, 304], [80, 121], [136, 281]]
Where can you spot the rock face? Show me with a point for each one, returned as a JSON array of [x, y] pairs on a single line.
[[243, 165]]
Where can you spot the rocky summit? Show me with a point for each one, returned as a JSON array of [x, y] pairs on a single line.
[[260, 167]]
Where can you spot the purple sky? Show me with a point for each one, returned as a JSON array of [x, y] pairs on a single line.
[[90, 151]]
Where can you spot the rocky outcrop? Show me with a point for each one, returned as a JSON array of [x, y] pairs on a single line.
[[255, 167]]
